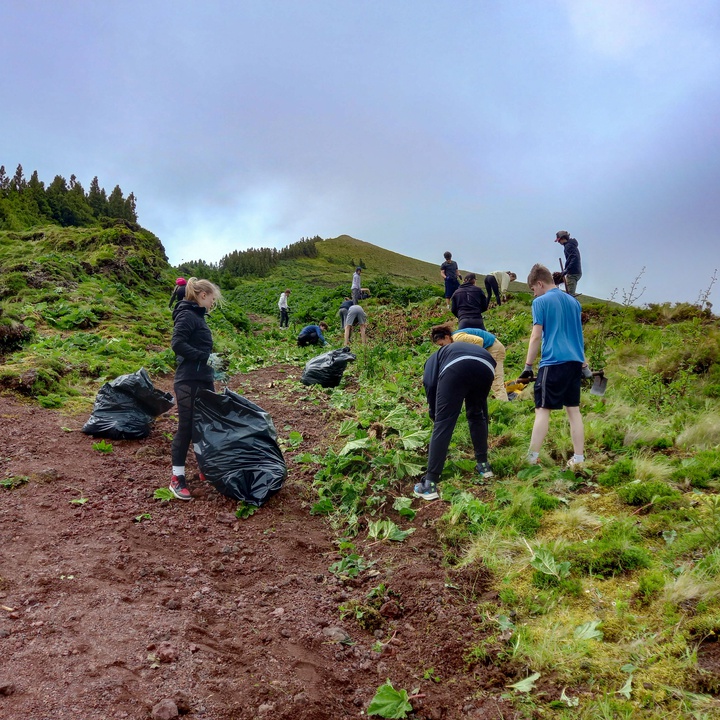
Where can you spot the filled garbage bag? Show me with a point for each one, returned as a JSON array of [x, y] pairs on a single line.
[[327, 369], [236, 447], [126, 407]]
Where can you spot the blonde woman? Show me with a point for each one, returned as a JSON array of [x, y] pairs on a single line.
[[192, 344]]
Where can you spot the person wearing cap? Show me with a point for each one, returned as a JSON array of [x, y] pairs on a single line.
[[355, 289], [178, 293], [572, 272]]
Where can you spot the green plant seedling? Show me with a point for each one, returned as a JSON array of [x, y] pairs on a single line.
[[14, 481], [589, 631], [103, 447], [295, 438], [163, 494], [526, 685], [141, 517], [79, 501], [430, 674], [402, 505], [244, 510], [387, 530], [389, 702]]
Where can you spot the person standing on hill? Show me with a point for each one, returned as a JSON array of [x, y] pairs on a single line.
[[178, 292], [355, 289], [449, 273], [572, 272], [284, 309], [192, 344], [557, 333], [312, 335], [498, 283], [458, 372], [469, 303]]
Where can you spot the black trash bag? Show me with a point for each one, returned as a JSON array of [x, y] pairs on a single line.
[[126, 407], [236, 447], [327, 369]]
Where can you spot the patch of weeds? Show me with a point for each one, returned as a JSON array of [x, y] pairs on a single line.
[[616, 550], [650, 585], [351, 564], [639, 493], [51, 401], [618, 474], [14, 481], [103, 447], [365, 615]]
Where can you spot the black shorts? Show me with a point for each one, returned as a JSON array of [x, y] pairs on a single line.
[[558, 386], [451, 285]]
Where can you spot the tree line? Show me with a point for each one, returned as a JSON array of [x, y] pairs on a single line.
[[26, 203], [253, 262]]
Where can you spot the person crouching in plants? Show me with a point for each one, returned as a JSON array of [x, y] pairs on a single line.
[[458, 372], [495, 348], [192, 344], [312, 335]]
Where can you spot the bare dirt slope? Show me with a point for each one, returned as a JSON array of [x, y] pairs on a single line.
[[198, 612]]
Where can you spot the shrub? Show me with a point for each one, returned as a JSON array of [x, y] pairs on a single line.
[[619, 473], [650, 584], [644, 493]]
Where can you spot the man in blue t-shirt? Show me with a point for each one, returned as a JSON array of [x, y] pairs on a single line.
[[558, 329], [312, 335]]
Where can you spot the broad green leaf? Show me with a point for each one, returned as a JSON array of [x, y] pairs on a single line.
[[163, 493], [505, 623], [396, 418], [295, 438], [355, 445], [323, 507], [402, 502], [589, 631], [348, 427], [626, 689], [569, 701], [543, 561], [414, 440], [389, 702], [526, 685]]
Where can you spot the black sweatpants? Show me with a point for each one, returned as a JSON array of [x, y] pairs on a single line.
[[284, 317], [469, 381], [472, 322], [491, 286], [185, 394]]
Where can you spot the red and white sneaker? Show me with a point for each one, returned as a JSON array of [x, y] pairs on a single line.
[[178, 487]]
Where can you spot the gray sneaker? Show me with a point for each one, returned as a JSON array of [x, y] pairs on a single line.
[[426, 489]]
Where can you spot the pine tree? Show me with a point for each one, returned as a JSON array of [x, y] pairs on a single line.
[[18, 181], [116, 203], [97, 199]]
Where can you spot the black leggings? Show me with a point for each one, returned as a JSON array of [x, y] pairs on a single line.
[[185, 394], [491, 286], [467, 380]]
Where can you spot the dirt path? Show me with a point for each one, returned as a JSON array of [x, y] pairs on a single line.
[[105, 617]]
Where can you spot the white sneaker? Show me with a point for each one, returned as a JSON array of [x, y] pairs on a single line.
[[573, 464]]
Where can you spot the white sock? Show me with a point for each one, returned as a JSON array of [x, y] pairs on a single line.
[[578, 458], [178, 470], [533, 455]]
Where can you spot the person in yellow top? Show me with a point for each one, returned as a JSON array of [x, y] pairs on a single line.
[[496, 350]]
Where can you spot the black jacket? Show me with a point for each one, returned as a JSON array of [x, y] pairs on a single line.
[[469, 301], [191, 342], [177, 295], [572, 258], [444, 357]]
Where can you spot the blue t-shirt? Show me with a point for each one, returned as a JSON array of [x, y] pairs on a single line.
[[487, 338], [562, 336], [310, 329]]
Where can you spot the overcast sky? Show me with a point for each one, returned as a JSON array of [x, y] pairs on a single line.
[[478, 127]]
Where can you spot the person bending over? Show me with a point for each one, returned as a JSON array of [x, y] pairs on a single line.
[[495, 348], [458, 372], [355, 316], [312, 335], [498, 283]]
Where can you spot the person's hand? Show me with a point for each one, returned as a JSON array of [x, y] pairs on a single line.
[[586, 371], [557, 277], [527, 374]]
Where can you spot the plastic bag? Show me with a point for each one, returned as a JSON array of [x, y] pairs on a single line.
[[327, 369], [236, 447], [125, 408]]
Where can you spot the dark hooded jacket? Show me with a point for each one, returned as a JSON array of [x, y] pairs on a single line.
[[469, 301], [572, 258], [192, 343]]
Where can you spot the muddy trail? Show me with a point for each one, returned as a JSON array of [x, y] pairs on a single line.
[[121, 606]]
